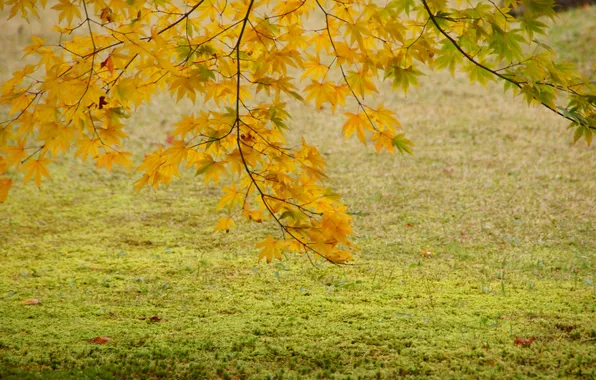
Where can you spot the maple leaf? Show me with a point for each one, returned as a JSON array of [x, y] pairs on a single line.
[[5, 185], [36, 168], [109, 159], [212, 170], [315, 69], [270, 249], [402, 144], [68, 10], [35, 46], [224, 224], [231, 198], [360, 83], [87, 147], [355, 123], [16, 153], [321, 92]]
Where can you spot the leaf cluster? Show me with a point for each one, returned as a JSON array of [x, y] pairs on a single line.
[[114, 55]]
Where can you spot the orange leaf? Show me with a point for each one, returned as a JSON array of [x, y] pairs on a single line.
[[100, 340], [106, 15], [109, 64], [526, 342], [5, 184], [33, 301]]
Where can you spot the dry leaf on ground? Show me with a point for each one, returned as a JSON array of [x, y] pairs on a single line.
[[526, 342], [32, 301], [101, 340]]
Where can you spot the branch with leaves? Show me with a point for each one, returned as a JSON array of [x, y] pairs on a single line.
[[113, 56]]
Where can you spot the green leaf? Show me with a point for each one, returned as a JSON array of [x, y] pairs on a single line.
[[588, 135], [402, 144], [403, 77], [448, 57], [530, 25]]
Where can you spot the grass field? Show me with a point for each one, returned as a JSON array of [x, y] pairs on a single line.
[[497, 190]]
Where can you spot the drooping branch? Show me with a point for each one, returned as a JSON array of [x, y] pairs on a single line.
[[496, 73]]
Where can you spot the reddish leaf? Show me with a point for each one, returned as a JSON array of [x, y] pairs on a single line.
[[100, 340], [109, 64], [409, 225], [106, 15], [526, 342], [102, 102], [33, 301], [155, 318]]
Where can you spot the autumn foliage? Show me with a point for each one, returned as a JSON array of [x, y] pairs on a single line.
[[246, 59]]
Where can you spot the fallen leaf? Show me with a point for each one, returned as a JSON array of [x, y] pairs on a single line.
[[409, 225], [526, 342], [155, 318], [426, 252], [32, 301], [100, 340]]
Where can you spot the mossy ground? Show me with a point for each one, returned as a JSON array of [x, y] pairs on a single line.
[[496, 189]]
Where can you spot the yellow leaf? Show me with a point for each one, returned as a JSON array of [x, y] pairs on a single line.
[[314, 69], [16, 153], [68, 10], [230, 198], [270, 249], [360, 83], [321, 92], [224, 224], [384, 118], [383, 139], [36, 168], [114, 158], [87, 147], [21, 103], [211, 169], [177, 152], [255, 216], [355, 122], [37, 43]]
